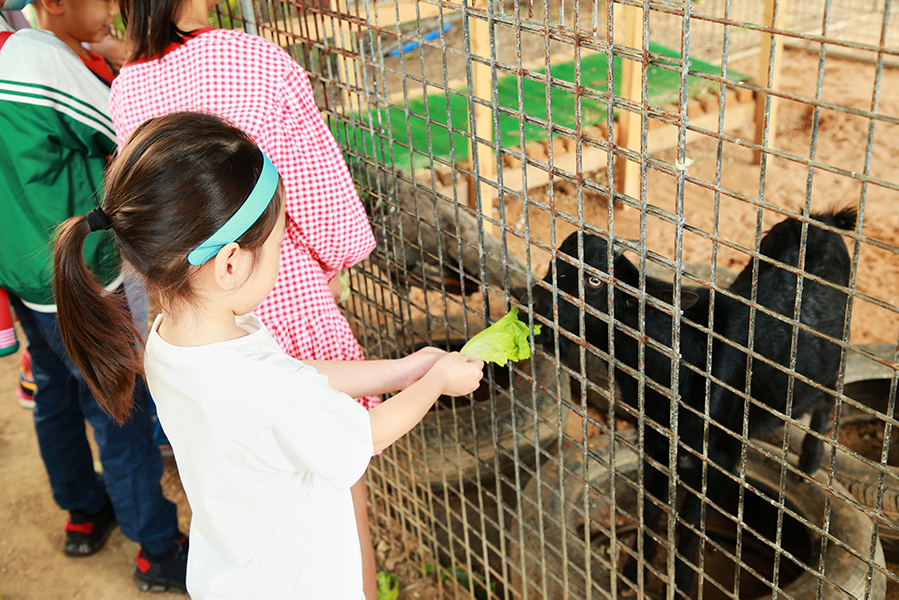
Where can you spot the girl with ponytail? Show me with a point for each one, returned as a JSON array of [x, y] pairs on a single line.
[[179, 63], [267, 446]]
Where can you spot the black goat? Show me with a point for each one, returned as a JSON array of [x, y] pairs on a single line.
[[822, 309]]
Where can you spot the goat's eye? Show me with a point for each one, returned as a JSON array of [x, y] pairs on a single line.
[[594, 281]]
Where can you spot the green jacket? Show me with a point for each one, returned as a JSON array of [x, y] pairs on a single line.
[[55, 137]]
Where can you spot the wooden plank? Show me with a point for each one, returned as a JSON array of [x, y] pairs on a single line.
[[344, 31], [305, 23], [629, 31], [482, 87], [761, 123], [657, 140], [408, 12], [345, 38]]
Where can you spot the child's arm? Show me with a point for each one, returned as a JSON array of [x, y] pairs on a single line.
[[338, 232], [359, 378], [422, 376], [453, 375]]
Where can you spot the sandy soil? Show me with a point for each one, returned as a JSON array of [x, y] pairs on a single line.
[[32, 565], [841, 143]]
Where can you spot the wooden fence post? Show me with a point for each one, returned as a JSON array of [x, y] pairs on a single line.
[[482, 87], [761, 124], [629, 31]]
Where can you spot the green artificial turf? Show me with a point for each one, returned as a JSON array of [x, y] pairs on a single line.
[[428, 124]]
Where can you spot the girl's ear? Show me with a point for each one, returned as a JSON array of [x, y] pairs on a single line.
[[227, 269]]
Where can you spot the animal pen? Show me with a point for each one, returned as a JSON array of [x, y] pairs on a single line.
[[481, 135]]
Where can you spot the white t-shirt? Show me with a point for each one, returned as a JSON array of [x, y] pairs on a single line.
[[267, 452]]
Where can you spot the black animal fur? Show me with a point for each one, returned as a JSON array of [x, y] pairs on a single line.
[[822, 309]]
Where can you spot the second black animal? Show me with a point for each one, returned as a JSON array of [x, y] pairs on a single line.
[[822, 310]]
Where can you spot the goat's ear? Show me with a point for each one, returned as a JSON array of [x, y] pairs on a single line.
[[665, 291], [618, 249], [688, 298]]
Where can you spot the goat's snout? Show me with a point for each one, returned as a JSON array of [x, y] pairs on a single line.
[[553, 298], [542, 306]]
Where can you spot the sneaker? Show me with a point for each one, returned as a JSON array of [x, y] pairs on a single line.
[[87, 534], [25, 397], [165, 573], [26, 387]]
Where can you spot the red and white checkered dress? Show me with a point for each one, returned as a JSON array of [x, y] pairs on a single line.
[[256, 86]]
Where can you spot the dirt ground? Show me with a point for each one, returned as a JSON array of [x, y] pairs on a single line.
[[841, 143], [32, 565]]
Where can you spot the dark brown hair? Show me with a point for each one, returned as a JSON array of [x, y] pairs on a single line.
[[176, 181], [150, 26]]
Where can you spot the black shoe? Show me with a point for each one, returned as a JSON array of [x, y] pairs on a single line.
[[164, 573], [87, 534]]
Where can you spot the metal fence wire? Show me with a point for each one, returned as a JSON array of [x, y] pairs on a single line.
[[695, 202]]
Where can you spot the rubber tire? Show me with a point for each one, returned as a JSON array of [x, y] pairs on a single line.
[[861, 476], [468, 442], [545, 509]]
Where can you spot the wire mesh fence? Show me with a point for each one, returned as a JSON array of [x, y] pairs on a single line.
[[711, 399]]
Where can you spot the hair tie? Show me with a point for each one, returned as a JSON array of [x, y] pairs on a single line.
[[96, 220]]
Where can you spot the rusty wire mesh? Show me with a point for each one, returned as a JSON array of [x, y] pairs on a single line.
[[480, 136]]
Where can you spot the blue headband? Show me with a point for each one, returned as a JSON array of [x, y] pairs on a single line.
[[243, 219], [14, 4]]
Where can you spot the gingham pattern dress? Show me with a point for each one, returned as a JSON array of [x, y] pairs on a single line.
[[256, 86]]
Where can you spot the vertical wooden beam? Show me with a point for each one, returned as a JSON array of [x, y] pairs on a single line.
[[344, 39], [760, 122], [482, 87], [629, 32]]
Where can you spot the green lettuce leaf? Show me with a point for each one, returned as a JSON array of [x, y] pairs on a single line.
[[507, 339], [344, 278], [388, 586]]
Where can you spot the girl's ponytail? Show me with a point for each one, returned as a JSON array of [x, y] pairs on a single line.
[[150, 26], [95, 324], [177, 181]]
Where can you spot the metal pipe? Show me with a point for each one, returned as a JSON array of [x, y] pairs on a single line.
[[248, 13]]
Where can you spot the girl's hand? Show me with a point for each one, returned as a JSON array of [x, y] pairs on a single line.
[[419, 363], [460, 375]]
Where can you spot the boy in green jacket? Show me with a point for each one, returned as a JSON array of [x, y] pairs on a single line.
[[55, 138]]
